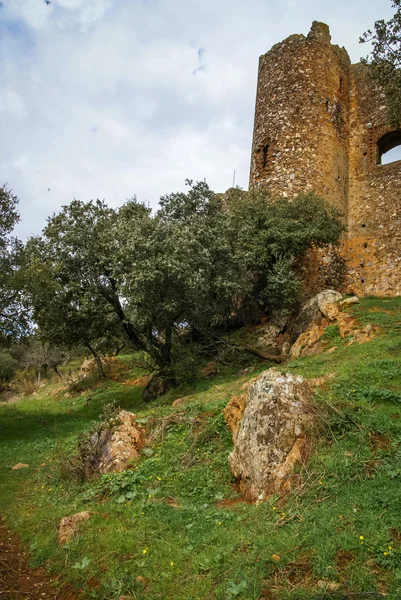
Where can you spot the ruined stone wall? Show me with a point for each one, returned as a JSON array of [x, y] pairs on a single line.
[[300, 140], [318, 123], [374, 216]]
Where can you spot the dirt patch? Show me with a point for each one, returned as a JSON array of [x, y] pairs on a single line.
[[380, 442], [395, 534], [382, 310], [343, 559], [296, 575], [18, 580]]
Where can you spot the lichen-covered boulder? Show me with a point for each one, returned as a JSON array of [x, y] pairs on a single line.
[[314, 312], [115, 447], [273, 433], [327, 302]]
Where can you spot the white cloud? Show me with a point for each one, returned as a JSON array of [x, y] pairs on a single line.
[[111, 98]]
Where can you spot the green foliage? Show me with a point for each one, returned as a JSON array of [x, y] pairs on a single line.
[[163, 280], [176, 521], [331, 334], [13, 314], [385, 59], [8, 366], [24, 383]]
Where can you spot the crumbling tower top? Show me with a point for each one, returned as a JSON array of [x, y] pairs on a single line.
[[320, 32]]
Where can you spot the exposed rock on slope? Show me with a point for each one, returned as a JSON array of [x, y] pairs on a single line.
[[115, 446], [270, 427], [321, 311]]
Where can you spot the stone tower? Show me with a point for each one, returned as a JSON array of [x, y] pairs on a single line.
[[321, 125]]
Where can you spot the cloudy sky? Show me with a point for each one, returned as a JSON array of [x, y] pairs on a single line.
[[115, 98]]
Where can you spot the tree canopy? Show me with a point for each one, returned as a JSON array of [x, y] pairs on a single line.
[[158, 279], [385, 59], [13, 314]]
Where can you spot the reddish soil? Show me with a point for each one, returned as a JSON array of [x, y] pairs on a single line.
[[18, 581]]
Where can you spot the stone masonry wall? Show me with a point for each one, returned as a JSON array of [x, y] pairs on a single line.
[[318, 121], [374, 216], [300, 140]]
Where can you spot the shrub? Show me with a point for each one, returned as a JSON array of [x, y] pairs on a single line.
[[24, 383], [8, 367]]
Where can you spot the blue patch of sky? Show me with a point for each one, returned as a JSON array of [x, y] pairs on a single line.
[[18, 33]]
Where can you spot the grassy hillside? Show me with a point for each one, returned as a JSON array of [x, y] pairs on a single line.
[[176, 522]]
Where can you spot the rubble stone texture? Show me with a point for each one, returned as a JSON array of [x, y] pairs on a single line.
[[117, 447], [321, 125], [270, 436], [69, 526]]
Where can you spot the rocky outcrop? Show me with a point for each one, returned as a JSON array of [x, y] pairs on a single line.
[[271, 434], [313, 312], [327, 308], [69, 526], [114, 446]]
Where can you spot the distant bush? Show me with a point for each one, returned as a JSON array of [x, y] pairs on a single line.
[[24, 383], [8, 367]]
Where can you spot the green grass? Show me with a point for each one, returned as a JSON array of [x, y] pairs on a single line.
[[164, 521]]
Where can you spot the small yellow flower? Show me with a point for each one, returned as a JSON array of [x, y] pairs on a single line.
[[274, 507], [390, 547], [219, 523], [159, 479], [50, 489], [145, 551], [320, 482], [171, 564], [361, 537], [385, 553], [283, 514]]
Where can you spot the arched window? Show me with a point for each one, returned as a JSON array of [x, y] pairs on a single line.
[[389, 147]]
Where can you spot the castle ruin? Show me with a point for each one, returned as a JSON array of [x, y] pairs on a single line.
[[321, 125]]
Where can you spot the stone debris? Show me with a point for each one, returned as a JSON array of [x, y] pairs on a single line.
[[349, 301], [182, 401], [271, 435], [330, 305], [69, 526]]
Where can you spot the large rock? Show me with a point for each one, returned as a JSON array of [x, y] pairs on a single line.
[[309, 343], [323, 310], [314, 312], [272, 434], [327, 302], [69, 526], [115, 447]]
